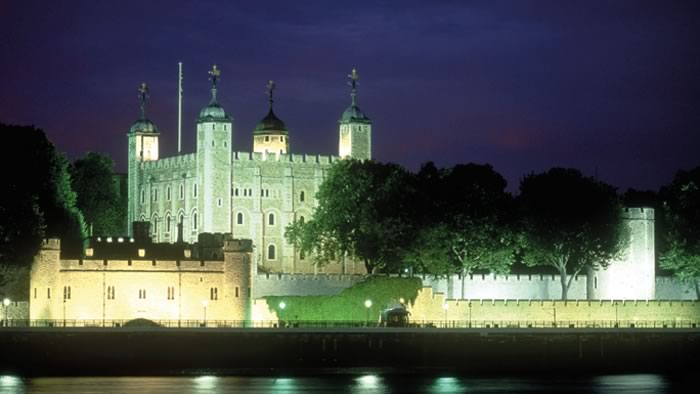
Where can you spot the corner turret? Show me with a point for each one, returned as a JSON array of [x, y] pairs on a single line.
[[270, 134], [355, 128]]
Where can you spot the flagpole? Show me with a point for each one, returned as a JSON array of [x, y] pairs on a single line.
[[179, 108]]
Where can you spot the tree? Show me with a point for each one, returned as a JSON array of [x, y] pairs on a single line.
[[466, 220], [570, 222], [363, 211], [681, 214], [92, 178], [38, 201]]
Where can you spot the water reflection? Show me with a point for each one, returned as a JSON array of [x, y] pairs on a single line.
[[337, 383]]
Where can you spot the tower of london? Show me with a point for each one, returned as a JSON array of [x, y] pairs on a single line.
[[251, 195]]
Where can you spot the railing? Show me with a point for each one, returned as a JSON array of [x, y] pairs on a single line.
[[428, 324]]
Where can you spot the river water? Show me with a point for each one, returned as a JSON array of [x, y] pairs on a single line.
[[345, 383]]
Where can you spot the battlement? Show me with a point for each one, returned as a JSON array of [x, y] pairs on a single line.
[[284, 158], [51, 244], [174, 162], [238, 245], [142, 265], [638, 213]]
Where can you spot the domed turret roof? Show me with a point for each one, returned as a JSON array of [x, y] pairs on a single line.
[[353, 114], [213, 111], [270, 124], [143, 125]]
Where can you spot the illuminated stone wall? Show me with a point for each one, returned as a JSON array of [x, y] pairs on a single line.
[[92, 289], [429, 306]]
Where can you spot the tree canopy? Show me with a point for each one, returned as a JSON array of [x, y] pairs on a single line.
[[363, 211], [570, 222], [681, 214], [93, 180]]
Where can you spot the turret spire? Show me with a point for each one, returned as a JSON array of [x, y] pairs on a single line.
[[143, 96], [214, 78], [270, 90], [354, 78]]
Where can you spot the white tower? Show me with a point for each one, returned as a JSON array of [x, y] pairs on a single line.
[[143, 146], [213, 188]]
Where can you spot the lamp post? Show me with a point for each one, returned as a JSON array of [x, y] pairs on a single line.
[[64, 310], [470, 314], [445, 307], [368, 305], [6, 303], [617, 324], [204, 304]]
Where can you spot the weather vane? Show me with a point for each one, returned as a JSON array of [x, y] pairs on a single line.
[[354, 78], [143, 96], [215, 75], [270, 89]]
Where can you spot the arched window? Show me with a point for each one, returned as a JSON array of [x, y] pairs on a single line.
[[301, 196], [155, 225], [167, 223], [271, 219], [194, 221], [301, 219], [239, 218], [271, 252]]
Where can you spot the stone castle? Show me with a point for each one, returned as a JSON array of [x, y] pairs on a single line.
[[245, 200], [251, 195]]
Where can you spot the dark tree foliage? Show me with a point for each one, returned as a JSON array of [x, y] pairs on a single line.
[[681, 213], [570, 222], [641, 198], [37, 200], [466, 220], [364, 212], [94, 182]]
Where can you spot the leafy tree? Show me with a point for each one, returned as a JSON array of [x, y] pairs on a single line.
[[92, 178], [363, 212], [681, 213], [570, 222], [37, 201], [466, 220]]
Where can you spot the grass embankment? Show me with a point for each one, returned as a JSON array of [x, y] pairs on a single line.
[[350, 303]]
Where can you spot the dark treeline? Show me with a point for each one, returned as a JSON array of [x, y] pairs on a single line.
[[44, 195], [462, 220]]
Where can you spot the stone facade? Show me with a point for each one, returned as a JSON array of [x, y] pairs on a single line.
[[175, 290], [251, 195]]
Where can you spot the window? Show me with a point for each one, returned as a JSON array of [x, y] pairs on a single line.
[[167, 223], [235, 192], [301, 196], [213, 127], [214, 293], [239, 218], [194, 190], [143, 196], [224, 130], [194, 221], [155, 195], [224, 141], [271, 252], [218, 202], [213, 143], [271, 219], [267, 138], [35, 292], [302, 255], [155, 225], [267, 192], [48, 293], [182, 191], [236, 291], [167, 193], [110, 292], [171, 293], [66, 292], [201, 263], [301, 220], [142, 294], [282, 139]]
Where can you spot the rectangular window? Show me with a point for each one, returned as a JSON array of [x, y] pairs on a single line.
[[194, 190], [110, 292], [214, 293], [142, 294], [66, 292], [48, 293], [171, 293], [155, 195], [236, 291], [35, 292]]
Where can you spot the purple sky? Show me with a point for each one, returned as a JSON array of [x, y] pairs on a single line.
[[523, 85]]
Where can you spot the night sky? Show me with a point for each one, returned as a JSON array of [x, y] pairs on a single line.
[[523, 85]]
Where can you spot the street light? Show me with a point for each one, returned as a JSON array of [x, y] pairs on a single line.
[[6, 303], [368, 304], [445, 307], [204, 304], [282, 305], [470, 313], [617, 324]]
